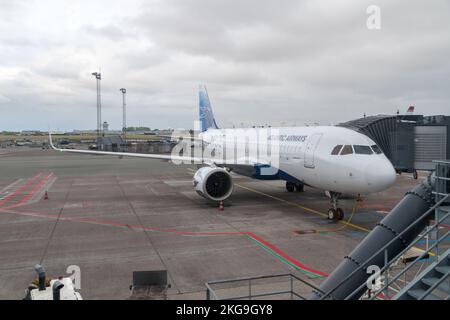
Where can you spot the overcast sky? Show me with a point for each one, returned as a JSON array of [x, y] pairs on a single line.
[[264, 62]]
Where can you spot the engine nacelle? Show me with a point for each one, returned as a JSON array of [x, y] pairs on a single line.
[[213, 183]]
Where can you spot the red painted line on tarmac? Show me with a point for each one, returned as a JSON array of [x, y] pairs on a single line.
[[36, 188], [20, 188], [185, 233], [285, 256], [118, 224], [29, 214], [188, 233], [172, 231]]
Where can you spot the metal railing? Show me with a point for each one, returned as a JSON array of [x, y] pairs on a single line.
[[442, 183], [388, 263], [442, 194], [389, 282], [211, 293], [434, 286], [442, 187]]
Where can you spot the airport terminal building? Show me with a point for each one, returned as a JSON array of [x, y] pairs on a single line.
[[411, 142]]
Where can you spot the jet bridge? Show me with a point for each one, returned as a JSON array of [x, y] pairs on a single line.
[[394, 236], [411, 142]]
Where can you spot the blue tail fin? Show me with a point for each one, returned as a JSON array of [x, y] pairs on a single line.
[[205, 111]]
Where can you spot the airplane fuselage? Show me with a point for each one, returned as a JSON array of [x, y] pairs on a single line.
[[325, 157]]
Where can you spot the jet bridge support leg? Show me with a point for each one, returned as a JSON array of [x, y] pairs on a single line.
[[415, 203]]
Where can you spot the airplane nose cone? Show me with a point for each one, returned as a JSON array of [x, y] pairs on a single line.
[[380, 175]]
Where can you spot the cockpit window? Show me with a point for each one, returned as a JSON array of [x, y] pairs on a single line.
[[376, 149], [362, 149], [347, 149], [336, 149]]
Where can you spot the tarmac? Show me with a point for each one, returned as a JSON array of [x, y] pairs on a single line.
[[112, 216]]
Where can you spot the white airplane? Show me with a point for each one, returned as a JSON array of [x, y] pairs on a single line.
[[334, 159]]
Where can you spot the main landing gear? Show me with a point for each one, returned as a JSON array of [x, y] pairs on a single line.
[[291, 186], [335, 213]]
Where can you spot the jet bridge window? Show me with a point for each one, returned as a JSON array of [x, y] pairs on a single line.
[[362, 149], [376, 149], [347, 149], [336, 149]]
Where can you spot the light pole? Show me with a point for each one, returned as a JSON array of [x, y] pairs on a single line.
[[124, 113], [98, 76]]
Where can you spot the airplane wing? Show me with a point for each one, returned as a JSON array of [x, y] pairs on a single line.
[[195, 160], [177, 137], [126, 154]]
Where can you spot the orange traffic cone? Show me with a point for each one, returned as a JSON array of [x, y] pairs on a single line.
[[221, 206], [46, 196]]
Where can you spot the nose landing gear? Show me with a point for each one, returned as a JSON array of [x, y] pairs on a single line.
[[335, 213]]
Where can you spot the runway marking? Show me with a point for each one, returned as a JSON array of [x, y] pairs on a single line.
[[36, 188], [12, 185], [23, 186], [37, 196], [32, 194]]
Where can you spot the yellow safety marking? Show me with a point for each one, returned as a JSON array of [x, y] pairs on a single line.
[[311, 210], [345, 223], [302, 207]]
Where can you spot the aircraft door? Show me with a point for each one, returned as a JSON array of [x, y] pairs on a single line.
[[310, 149]]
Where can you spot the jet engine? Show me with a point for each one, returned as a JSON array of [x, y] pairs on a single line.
[[213, 183]]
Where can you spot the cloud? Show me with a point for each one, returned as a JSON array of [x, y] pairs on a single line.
[[111, 32], [263, 61]]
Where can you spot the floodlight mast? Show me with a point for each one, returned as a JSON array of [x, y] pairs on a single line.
[[124, 113], [98, 77]]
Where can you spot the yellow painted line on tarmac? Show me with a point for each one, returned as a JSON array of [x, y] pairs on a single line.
[[294, 204], [310, 210], [301, 207]]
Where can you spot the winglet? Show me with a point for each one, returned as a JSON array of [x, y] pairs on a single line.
[[51, 142]]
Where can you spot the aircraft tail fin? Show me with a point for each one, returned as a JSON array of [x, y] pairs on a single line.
[[410, 110], [205, 111]]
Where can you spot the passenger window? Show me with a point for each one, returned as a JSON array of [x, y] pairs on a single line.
[[362, 149], [376, 149], [336, 149], [347, 149]]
